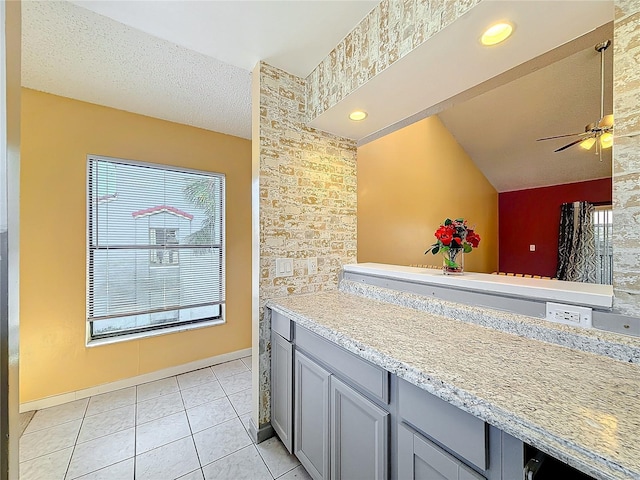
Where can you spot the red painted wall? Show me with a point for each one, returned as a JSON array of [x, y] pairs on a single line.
[[532, 217]]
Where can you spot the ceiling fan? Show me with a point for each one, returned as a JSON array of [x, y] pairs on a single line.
[[599, 133]]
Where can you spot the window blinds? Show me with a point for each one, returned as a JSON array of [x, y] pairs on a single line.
[[155, 245]]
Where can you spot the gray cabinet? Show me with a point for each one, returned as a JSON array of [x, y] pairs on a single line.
[[311, 432], [420, 459], [339, 414], [359, 433], [282, 389], [459, 431], [329, 413]]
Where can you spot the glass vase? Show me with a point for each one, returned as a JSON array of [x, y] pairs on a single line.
[[453, 261]]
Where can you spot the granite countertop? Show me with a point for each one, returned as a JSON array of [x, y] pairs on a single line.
[[580, 407]]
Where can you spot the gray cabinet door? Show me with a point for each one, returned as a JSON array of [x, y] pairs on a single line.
[[282, 389], [420, 459], [311, 432], [359, 436]]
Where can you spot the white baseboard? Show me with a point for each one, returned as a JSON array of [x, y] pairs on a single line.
[[132, 381]]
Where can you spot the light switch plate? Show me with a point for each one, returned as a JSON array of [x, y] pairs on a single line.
[[284, 267]]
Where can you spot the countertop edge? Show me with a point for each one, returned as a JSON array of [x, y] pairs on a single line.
[[547, 290]]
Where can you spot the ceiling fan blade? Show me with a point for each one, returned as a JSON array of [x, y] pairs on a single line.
[[561, 136], [569, 145]]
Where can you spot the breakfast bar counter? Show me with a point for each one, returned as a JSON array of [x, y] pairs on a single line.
[[580, 407]]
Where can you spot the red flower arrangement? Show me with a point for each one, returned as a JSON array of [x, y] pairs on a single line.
[[454, 237]]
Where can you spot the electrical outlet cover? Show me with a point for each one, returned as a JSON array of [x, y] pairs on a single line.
[[312, 265], [569, 314]]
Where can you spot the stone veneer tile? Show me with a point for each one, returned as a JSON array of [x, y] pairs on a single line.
[[389, 32], [626, 157], [307, 200], [626, 48], [623, 8]]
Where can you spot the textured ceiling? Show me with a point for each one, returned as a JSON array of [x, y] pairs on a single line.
[[185, 61], [72, 52], [499, 128]]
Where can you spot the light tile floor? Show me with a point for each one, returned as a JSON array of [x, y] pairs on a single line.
[[189, 427]]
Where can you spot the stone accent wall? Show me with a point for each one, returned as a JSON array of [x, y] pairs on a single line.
[[390, 31], [626, 157], [307, 203]]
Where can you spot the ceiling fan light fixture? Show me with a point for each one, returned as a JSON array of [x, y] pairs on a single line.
[[587, 143], [607, 121], [606, 140], [496, 33]]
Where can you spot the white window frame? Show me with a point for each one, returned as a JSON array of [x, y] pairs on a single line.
[[604, 212], [167, 328]]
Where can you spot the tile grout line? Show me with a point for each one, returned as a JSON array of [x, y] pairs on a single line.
[[288, 471], [135, 434], [226, 396], [193, 440], [75, 443], [254, 445], [263, 460]]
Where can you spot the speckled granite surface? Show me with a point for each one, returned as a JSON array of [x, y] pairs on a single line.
[[579, 407], [619, 347]]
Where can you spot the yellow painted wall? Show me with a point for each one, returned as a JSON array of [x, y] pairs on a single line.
[[57, 135], [411, 180]]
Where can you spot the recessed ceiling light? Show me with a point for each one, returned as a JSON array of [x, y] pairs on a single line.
[[497, 33], [358, 115]]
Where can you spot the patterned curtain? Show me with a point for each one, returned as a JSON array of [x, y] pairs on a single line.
[[576, 245]]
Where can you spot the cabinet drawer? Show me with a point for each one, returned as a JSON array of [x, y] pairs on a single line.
[[281, 325], [420, 459], [457, 430], [358, 371]]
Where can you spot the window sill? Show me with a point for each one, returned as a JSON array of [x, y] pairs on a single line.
[[152, 333]]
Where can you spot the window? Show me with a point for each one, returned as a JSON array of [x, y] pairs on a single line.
[[602, 228], [155, 256]]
